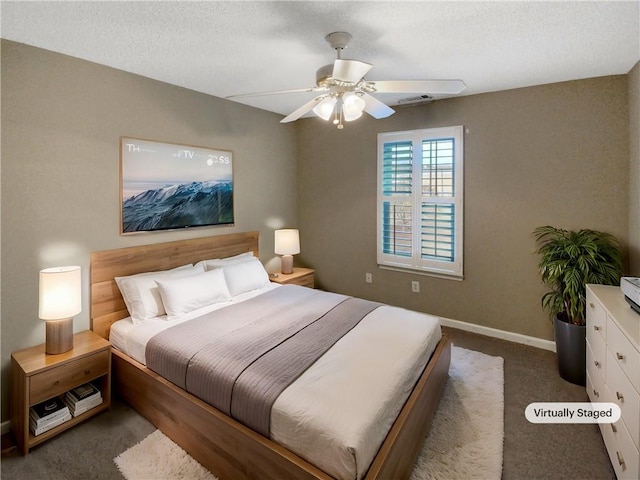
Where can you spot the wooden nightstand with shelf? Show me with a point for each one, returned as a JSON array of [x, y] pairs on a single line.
[[37, 376], [300, 276]]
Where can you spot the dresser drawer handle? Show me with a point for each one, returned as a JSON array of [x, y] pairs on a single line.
[[620, 460], [619, 356], [87, 371], [595, 392], [592, 305], [620, 396], [596, 363], [613, 427], [57, 382], [596, 328]]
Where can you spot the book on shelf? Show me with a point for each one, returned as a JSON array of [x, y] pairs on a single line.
[[84, 391], [37, 430], [48, 411], [83, 394], [41, 422], [80, 409], [46, 422]]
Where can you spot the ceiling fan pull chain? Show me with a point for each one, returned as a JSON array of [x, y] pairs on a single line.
[[337, 121]]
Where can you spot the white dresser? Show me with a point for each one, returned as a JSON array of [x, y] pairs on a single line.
[[613, 373]]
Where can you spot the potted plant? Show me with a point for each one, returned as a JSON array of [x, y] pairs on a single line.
[[568, 261]]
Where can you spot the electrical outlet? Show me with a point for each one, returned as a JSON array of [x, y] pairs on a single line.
[[368, 278], [415, 286]]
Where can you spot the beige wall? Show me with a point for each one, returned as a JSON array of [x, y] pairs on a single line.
[[556, 154], [61, 122], [634, 171]]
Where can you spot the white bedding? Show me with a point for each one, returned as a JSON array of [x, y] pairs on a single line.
[[339, 411], [131, 338]]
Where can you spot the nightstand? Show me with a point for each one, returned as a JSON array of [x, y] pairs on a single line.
[[300, 276], [36, 376]]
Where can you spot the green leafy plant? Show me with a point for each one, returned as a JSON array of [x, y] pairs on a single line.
[[571, 259]]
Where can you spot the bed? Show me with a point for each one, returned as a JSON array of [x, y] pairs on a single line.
[[225, 446]]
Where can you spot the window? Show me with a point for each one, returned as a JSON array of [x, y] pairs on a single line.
[[420, 200]]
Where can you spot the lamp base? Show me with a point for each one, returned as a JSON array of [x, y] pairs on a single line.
[[287, 264], [59, 336]]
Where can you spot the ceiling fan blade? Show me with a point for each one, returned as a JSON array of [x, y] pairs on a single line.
[[350, 71], [279, 92], [418, 86], [302, 110], [375, 107]]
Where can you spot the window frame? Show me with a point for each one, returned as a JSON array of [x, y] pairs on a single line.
[[415, 263]]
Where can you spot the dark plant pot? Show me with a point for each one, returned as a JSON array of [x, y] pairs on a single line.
[[571, 350]]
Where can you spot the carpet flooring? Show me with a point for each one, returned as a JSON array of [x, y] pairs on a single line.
[[531, 451]]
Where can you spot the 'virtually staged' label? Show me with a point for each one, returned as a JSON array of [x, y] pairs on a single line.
[[572, 412]]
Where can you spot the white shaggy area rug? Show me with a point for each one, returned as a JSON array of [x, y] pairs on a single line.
[[466, 437], [465, 440]]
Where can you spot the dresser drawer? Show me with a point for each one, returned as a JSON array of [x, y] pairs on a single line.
[[624, 456], [598, 354], [597, 392], [595, 388], [596, 317], [64, 377], [625, 396], [624, 353], [595, 379]]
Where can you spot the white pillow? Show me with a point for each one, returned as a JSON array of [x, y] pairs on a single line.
[[245, 276], [140, 291], [183, 295], [221, 262]]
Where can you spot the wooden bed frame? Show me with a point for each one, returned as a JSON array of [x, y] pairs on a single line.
[[224, 446]]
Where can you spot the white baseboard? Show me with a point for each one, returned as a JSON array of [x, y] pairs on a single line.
[[504, 335], [6, 427]]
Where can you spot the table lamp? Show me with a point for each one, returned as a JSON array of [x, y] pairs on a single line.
[[287, 244], [60, 300]]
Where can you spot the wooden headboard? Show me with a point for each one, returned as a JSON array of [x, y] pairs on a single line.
[[107, 305]]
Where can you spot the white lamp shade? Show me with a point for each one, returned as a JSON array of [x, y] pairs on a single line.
[[287, 242], [60, 293], [352, 107], [325, 108]]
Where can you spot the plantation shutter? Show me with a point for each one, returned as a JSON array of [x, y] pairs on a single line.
[[420, 200], [437, 238], [397, 187]]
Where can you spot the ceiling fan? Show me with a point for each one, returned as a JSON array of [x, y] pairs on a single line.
[[345, 94]]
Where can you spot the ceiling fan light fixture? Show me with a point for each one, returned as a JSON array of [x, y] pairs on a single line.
[[343, 93], [325, 108], [351, 117], [352, 106]]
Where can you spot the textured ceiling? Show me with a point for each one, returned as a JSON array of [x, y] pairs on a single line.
[[226, 48]]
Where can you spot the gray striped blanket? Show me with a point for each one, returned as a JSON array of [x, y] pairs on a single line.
[[241, 357]]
